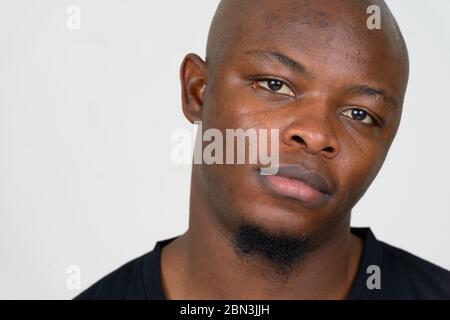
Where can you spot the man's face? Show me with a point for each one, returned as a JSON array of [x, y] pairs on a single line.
[[333, 88]]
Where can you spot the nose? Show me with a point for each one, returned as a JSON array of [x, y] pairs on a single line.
[[314, 134]]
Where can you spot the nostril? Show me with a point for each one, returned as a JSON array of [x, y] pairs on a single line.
[[314, 145], [298, 139], [329, 149]]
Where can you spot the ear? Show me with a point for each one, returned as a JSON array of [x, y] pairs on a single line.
[[193, 75]]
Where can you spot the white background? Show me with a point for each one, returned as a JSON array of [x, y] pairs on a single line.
[[85, 123]]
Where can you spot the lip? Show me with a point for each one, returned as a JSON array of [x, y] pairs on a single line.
[[297, 182]]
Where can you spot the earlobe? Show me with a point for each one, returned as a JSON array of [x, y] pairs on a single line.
[[193, 76]]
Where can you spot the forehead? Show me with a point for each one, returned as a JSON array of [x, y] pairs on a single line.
[[331, 41]]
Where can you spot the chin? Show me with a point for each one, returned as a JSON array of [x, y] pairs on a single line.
[[279, 219]]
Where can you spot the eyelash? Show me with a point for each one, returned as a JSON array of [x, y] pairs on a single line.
[[258, 82], [374, 120], [284, 84]]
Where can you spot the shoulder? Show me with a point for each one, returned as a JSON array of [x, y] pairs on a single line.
[[423, 279], [126, 282]]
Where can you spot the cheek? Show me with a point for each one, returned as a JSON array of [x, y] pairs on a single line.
[[233, 105], [357, 166], [229, 191]]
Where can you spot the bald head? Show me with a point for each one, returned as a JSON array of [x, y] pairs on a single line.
[[325, 24]]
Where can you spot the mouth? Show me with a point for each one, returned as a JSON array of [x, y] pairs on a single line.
[[299, 183]]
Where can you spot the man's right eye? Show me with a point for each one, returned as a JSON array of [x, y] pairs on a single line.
[[277, 86]]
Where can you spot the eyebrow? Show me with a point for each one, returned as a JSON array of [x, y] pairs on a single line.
[[365, 90], [298, 67], [283, 59]]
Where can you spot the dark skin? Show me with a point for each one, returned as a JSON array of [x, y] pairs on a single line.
[[339, 65]]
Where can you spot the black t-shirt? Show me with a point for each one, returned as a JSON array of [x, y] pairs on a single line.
[[401, 275]]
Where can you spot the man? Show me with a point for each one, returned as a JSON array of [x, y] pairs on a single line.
[[334, 89]]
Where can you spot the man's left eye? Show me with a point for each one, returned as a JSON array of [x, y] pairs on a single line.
[[277, 86], [359, 115]]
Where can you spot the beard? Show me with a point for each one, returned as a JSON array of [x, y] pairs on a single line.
[[283, 252]]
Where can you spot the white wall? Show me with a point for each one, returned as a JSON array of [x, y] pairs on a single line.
[[85, 123]]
